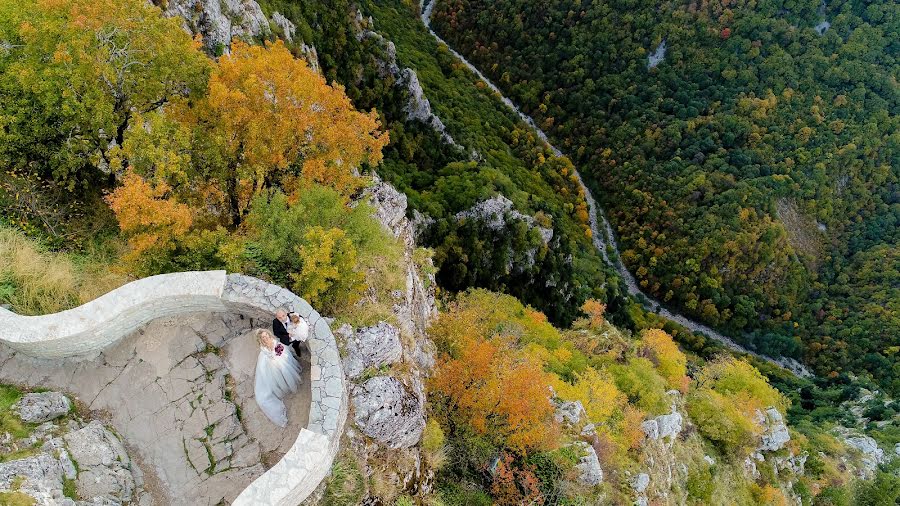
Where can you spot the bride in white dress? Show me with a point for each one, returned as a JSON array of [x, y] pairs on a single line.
[[277, 375]]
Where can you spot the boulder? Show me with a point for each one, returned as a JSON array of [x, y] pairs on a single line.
[[640, 483], [373, 346], [589, 465], [42, 407], [39, 476], [388, 412], [390, 206], [103, 464], [872, 455], [570, 412], [775, 432], [664, 426]]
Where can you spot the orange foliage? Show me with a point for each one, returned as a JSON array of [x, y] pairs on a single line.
[[494, 387], [595, 310], [148, 214], [268, 114], [515, 486]]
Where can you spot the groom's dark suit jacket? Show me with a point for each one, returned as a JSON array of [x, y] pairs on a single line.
[[280, 332]]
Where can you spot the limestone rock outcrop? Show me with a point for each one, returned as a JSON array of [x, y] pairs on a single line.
[[872, 455], [418, 107], [103, 464], [67, 449], [219, 21], [569, 412], [42, 407], [591, 473], [496, 210], [388, 412], [775, 432], [373, 346], [664, 426]]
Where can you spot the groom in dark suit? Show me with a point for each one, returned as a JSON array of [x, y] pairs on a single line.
[[279, 328]]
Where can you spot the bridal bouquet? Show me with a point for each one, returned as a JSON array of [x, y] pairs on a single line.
[[279, 349]]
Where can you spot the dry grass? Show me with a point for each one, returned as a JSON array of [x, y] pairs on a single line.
[[802, 232], [35, 281]]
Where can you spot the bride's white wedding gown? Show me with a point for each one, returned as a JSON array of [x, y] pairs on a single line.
[[276, 377]]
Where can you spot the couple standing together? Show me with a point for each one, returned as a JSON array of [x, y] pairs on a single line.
[[278, 366]]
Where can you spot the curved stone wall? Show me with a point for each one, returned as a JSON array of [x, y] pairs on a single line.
[[88, 329]]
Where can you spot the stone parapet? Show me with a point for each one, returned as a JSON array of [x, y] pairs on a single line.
[[91, 327]]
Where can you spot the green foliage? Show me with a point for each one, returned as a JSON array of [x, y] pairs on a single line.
[[319, 245], [455, 494], [643, 385], [729, 394], [9, 422], [16, 499], [501, 156], [404, 500], [346, 484], [718, 165], [328, 277], [72, 74], [700, 485], [884, 489], [433, 437]]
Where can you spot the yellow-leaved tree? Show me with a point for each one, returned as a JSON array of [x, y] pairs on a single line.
[[268, 116], [727, 400], [658, 346]]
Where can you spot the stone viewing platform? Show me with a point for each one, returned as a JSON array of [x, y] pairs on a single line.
[[171, 360]]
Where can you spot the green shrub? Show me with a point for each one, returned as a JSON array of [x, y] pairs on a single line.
[[700, 484], [404, 500], [639, 380], [720, 421], [433, 436]]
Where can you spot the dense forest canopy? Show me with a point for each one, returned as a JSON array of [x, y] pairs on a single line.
[[748, 153]]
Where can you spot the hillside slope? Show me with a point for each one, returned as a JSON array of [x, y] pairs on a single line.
[[748, 163]]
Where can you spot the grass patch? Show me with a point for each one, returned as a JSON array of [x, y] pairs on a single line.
[[346, 485], [70, 489], [16, 499], [34, 280], [9, 422]]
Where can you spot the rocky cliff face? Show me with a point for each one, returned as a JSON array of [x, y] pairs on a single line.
[[389, 362], [218, 22]]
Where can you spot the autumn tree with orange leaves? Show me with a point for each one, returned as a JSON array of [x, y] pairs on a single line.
[[268, 116], [267, 121], [492, 386]]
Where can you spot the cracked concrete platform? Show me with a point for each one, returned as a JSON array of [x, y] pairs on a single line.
[[180, 393]]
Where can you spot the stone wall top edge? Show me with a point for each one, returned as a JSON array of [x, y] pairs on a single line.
[[150, 291]]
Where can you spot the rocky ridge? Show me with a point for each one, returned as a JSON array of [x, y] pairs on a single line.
[[221, 21], [417, 108], [388, 363]]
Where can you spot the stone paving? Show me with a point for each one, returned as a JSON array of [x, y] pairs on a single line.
[[180, 393]]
